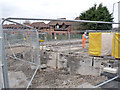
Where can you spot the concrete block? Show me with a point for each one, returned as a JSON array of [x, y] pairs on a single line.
[[82, 66], [84, 70], [52, 63], [17, 79]]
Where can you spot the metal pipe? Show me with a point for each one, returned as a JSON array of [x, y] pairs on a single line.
[[11, 50], [93, 61], [3, 58], [18, 23], [86, 21], [119, 68], [21, 60], [1, 79], [69, 42], [106, 82], [21, 30], [118, 28], [32, 78], [38, 61]]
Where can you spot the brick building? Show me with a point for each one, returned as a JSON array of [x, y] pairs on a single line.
[[52, 28]]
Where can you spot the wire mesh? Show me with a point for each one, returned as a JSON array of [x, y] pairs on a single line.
[[22, 53], [22, 44]]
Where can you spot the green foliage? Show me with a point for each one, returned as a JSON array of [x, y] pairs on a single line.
[[99, 13]]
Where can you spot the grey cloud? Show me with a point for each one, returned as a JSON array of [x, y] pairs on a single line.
[[8, 9]]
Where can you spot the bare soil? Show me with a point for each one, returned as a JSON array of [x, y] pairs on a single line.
[[51, 78]]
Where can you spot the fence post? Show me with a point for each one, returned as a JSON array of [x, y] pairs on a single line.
[[118, 28], [1, 81], [69, 42], [3, 58], [45, 39], [38, 61], [119, 68]]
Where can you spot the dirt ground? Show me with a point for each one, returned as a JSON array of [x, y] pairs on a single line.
[[48, 78], [62, 79], [21, 72]]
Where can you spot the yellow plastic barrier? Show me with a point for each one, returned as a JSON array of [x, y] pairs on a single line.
[[116, 45], [102, 44], [95, 44]]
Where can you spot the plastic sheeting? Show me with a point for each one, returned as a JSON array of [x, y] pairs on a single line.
[[100, 44], [116, 45], [106, 44], [95, 44]]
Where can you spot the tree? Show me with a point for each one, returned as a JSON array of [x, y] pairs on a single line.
[[95, 13]]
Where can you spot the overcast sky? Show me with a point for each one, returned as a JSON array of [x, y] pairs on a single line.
[[51, 8]]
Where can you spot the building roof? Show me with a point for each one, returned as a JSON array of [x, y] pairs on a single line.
[[39, 24], [77, 18], [59, 22]]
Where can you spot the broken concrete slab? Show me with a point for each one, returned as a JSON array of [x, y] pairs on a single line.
[[17, 79]]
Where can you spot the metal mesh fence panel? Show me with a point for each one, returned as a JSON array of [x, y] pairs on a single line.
[[22, 45], [22, 54]]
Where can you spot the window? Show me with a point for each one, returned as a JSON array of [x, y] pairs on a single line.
[[57, 26], [51, 27], [57, 33], [37, 27], [64, 27], [47, 29], [63, 34]]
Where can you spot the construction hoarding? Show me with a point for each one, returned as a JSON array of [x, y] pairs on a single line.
[[100, 44], [116, 45], [95, 44]]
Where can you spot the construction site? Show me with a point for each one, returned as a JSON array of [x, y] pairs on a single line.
[[29, 59]]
